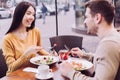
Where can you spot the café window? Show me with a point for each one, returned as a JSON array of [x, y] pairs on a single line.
[[68, 22], [117, 16]]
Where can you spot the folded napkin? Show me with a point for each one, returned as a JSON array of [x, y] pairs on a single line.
[[30, 69]]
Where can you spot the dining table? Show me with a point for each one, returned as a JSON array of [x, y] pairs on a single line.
[[20, 74]]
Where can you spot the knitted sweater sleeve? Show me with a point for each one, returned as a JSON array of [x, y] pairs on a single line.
[[8, 51]]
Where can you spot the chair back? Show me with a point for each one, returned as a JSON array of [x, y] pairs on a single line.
[[3, 65], [69, 40]]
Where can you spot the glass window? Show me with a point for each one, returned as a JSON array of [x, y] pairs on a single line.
[[117, 16], [69, 18]]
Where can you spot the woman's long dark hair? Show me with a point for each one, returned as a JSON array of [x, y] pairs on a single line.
[[19, 13]]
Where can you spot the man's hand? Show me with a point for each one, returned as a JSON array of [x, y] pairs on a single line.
[[76, 52], [65, 68]]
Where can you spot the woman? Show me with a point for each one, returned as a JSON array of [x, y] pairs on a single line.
[[22, 40]]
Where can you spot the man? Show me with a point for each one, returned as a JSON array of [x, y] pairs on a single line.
[[44, 12], [99, 19]]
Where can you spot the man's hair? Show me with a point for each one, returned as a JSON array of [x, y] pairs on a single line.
[[103, 7]]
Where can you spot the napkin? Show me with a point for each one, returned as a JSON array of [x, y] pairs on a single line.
[[30, 69]]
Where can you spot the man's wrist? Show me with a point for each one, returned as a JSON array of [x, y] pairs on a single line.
[[87, 56]]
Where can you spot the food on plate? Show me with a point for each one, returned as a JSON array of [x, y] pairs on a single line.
[[78, 65], [44, 60]]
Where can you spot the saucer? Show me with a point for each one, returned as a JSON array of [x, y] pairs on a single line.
[[50, 75]]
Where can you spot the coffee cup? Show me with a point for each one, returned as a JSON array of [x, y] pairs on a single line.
[[43, 70], [64, 54]]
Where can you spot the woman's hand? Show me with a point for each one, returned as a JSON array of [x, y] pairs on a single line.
[[76, 52], [33, 49]]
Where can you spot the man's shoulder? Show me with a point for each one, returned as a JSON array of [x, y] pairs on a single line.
[[115, 39]]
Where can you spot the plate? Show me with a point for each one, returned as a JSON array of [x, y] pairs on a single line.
[[80, 64], [38, 60], [50, 75]]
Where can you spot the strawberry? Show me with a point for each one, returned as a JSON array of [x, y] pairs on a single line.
[[65, 57]]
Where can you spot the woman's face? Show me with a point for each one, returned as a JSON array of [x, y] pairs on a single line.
[[28, 17]]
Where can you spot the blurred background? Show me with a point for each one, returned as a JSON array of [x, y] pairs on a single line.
[[64, 17]]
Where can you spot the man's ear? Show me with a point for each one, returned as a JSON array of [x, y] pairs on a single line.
[[98, 18]]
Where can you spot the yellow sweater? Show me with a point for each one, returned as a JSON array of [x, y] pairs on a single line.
[[13, 48]]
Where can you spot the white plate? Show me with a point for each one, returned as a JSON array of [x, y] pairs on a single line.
[[38, 60], [50, 75], [84, 63]]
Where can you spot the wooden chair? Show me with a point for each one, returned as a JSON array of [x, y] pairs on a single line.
[[69, 40], [3, 65]]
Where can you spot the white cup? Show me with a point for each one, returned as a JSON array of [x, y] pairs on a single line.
[[43, 70]]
